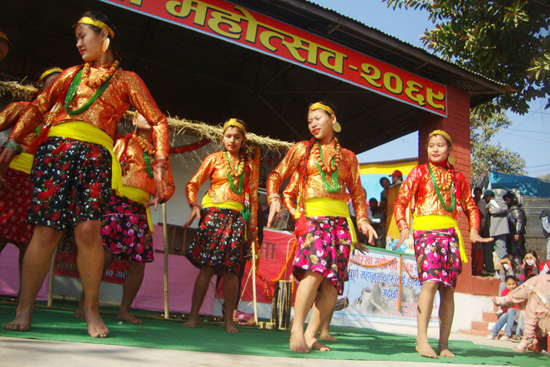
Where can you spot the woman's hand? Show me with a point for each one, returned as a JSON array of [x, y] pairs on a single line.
[[195, 213], [403, 235], [475, 237], [159, 176], [274, 209], [292, 212], [361, 247], [367, 230], [6, 157]]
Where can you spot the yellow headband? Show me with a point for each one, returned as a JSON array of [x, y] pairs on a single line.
[[318, 105], [3, 36], [49, 72], [442, 133], [234, 122], [96, 23]]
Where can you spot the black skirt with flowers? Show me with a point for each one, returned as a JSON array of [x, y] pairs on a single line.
[[72, 183], [219, 240]]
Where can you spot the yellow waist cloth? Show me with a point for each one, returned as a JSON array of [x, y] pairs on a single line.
[[142, 197], [22, 162], [235, 205], [431, 222], [84, 131], [325, 207]]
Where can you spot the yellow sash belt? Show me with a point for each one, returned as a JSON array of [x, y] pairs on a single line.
[[139, 196], [431, 222], [235, 205], [84, 131], [325, 207], [22, 162]]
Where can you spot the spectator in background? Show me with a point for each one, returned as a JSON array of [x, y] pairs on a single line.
[[477, 248], [508, 313], [530, 266], [4, 45], [498, 229], [383, 204], [376, 222], [545, 221], [508, 268], [396, 178], [516, 223]]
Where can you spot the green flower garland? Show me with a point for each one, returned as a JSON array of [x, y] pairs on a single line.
[[238, 191], [335, 186], [451, 208]]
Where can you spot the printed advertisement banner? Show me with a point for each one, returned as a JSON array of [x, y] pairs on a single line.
[[256, 31]]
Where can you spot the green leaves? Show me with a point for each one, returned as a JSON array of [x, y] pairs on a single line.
[[505, 40]]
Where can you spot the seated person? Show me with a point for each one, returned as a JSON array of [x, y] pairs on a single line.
[[508, 313]]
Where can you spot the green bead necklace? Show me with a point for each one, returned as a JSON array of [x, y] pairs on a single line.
[[451, 208]]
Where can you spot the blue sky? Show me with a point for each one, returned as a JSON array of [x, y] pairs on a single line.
[[529, 134]]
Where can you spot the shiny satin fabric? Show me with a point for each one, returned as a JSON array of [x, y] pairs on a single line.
[[349, 177], [214, 168], [125, 89]]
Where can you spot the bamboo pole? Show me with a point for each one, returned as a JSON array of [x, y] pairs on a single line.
[[254, 282], [50, 281], [166, 249]]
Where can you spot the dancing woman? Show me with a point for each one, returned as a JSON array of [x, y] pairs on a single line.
[[440, 194], [229, 209], [16, 186], [74, 168], [328, 176], [127, 230]]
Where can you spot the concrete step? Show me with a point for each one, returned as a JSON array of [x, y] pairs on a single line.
[[490, 317], [480, 326], [474, 332]]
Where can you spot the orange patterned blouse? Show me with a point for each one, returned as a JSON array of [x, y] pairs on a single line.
[[349, 176], [214, 167], [125, 89], [419, 186]]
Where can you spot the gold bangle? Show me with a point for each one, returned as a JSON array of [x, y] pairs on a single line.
[[402, 224]]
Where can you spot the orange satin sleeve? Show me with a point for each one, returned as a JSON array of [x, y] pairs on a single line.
[[290, 194], [125, 89], [9, 117]]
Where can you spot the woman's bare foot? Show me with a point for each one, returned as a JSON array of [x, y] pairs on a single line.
[[424, 349], [96, 326], [230, 327], [298, 343], [126, 316], [22, 321], [327, 336], [315, 344], [79, 312], [191, 322], [444, 351]]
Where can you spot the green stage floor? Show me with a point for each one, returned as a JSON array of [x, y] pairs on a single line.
[[353, 344]]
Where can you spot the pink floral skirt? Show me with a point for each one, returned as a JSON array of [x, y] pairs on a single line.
[[437, 256], [125, 230], [325, 250]]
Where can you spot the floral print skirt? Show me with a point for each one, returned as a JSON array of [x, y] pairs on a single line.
[[219, 240], [325, 250], [437, 256], [72, 183], [125, 230], [14, 206]]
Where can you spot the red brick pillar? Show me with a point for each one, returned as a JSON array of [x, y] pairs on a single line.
[[457, 124]]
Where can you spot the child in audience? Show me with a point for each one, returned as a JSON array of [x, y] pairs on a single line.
[[508, 313]]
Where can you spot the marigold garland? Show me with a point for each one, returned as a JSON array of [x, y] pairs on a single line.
[[290, 256]]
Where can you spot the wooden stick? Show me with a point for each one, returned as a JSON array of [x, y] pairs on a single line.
[[254, 282], [50, 281], [166, 248]]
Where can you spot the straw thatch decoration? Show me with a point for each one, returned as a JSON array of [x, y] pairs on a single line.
[[19, 92]]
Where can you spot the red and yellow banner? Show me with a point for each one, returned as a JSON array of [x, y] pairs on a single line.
[[236, 24]]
